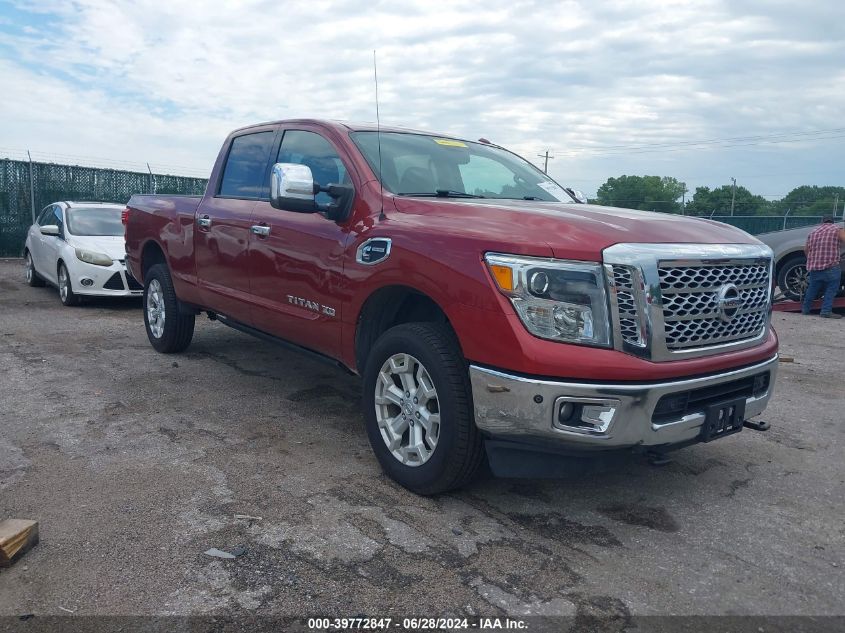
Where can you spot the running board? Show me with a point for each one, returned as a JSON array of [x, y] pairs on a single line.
[[246, 329]]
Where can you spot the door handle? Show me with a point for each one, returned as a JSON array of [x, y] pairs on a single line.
[[260, 229], [204, 221]]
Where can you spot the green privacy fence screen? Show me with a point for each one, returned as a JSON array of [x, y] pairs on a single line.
[[51, 182], [756, 224]]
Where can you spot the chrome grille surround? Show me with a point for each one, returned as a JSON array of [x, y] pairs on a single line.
[[664, 298]]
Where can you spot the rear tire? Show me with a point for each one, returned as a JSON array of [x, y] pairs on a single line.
[[32, 277], [169, 329], [415, 374], [66, 294]]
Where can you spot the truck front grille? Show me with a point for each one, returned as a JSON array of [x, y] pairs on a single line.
[[623, 277], [691, 303], [675, 301]]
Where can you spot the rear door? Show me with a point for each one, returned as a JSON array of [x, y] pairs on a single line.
[[297, 266], [223, 220]]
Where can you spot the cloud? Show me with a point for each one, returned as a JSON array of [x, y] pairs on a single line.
[[148, 81]]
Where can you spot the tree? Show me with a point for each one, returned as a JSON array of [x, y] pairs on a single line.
[[811, 200], [647, 193], [705, 201]]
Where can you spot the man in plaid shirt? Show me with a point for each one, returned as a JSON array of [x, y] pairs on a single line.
[[823, 266]]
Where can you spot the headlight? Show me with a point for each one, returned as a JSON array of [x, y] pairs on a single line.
[[92, 257], [555, 299]]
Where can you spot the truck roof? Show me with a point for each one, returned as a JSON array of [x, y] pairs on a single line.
[[354, 126]]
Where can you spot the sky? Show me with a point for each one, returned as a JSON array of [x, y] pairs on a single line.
[[701, 90]]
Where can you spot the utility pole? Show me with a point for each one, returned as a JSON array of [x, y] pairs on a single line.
[[546, 163], [733, 194], [835, 204], [684, 200]]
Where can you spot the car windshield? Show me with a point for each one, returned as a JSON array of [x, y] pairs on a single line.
[[426, 165], [94, 220]]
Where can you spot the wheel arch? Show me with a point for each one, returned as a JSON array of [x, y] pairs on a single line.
[[783, 259], [389, 306], [152, 253]]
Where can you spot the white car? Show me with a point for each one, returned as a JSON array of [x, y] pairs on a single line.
[[79, 248]]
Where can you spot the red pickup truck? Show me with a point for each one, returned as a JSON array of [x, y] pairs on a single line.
[[488, 310]]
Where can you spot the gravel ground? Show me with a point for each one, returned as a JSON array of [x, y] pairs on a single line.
[[135, 463]]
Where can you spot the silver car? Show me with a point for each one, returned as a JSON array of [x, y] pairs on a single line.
[[790, 259]]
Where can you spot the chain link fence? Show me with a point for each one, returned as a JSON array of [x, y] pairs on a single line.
[[22, 182]]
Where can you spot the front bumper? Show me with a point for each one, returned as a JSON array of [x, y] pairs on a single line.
[[103, 281], [623, 414]]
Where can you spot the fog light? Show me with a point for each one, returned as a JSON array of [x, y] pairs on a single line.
[[567, 413], [584, 416], [87, 282]]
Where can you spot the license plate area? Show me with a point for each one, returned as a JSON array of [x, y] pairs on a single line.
[[722, 419]]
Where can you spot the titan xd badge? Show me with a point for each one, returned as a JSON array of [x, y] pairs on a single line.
[[311, 305]]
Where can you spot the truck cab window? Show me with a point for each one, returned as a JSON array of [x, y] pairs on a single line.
[[245, 165], [314, 151]]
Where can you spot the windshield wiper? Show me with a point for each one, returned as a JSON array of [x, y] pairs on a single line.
[[442, 193]]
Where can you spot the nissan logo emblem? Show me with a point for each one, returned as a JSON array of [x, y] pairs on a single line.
[[728, 302]]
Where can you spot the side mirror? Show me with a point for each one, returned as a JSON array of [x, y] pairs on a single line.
[[49, 229], [292, 188]]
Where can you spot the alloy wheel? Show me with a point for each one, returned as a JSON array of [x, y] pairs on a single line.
[[29, 271], [63, 283], [407, 409], [796, 280], [155, 308]]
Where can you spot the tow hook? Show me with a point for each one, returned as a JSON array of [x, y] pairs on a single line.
[[757, 426], [656, 458]]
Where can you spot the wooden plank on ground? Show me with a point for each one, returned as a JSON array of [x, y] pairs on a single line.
[[17, 536]]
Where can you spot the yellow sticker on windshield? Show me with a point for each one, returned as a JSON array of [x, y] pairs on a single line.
[[449, 142]]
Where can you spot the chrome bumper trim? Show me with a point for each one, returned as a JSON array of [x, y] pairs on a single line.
[[506, 406]]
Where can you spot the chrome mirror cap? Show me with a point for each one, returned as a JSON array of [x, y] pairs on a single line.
[[292, 188]]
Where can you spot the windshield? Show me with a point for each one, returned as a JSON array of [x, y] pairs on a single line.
[[94, 221], [424, 165]]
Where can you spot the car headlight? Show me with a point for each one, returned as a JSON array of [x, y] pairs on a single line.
[[92, 257], [555, 299]]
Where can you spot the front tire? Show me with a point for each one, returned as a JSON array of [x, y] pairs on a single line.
[[169, 330], [66, 294], [418, 409], [792, 277], [32, 278]]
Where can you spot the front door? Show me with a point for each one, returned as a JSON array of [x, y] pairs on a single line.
[[36, 240], [296, 261], [222, 225]]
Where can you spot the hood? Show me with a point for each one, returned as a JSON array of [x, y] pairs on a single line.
[[112, 245], [573, 231]]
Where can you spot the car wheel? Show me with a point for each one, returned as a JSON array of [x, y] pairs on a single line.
[[66, 293], [418, 409], [32, 278], [792, 277], [168, 328]]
